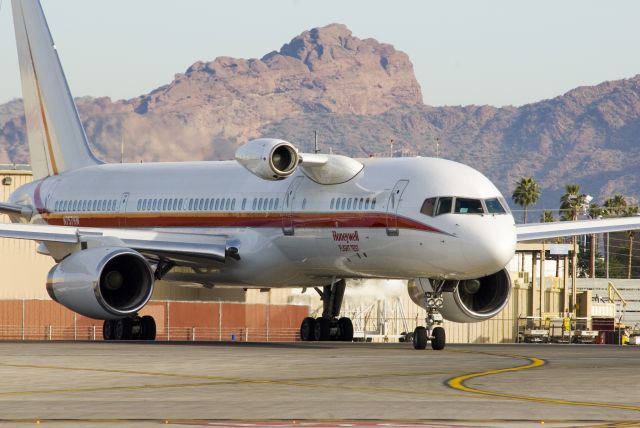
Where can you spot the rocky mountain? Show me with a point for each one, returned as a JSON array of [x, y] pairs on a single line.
[[360, 94]]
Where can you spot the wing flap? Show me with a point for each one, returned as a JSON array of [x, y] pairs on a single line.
[[182, 248], [535, 231]]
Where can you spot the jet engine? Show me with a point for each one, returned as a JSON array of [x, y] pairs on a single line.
[[102, 283], [469, 300], [268, 158]]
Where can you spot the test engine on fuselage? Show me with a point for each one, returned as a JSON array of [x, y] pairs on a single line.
[[268, 158], [102, 283], [467, 301]]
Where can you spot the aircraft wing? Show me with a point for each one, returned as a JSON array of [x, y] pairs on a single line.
[[535, 231], [181, 248]]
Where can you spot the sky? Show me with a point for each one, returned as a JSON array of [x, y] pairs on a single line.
[[496, 52]]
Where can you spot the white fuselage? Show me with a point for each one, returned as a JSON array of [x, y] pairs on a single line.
[[293, 232]]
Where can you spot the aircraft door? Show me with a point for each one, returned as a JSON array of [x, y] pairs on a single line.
[[287, 207], [392, 207], [122, 209]]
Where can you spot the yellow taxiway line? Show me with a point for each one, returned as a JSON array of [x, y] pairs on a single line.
[[460, 383]]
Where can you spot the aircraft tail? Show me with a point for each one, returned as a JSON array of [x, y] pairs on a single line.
[[57, 141]]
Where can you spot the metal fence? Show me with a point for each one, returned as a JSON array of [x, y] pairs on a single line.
[[240, 334]]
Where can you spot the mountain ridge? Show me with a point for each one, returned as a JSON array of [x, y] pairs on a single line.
[[359, 94]]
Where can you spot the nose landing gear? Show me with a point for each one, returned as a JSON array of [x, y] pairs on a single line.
[[328, 326], [433, 332]]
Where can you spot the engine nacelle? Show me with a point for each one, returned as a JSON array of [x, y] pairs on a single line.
[[268, 158], [102, 283], [470, 300]]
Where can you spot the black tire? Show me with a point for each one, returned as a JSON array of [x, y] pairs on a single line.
[[439, 339], [322, 330], [147, 328], [420, 338], [122, 330], [108, 328], [306, 329], [346, 329]]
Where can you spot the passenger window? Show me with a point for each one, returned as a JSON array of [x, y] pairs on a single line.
[[429, 207], [253, 205], [139, 204], [361, 204], [366, 204], [244, 204], [332, 202], [373, 204], [276, 204], [233, 204], [228, 204], [349, 204], [468, 206], [494, 206], [444, 206], [175, 204]]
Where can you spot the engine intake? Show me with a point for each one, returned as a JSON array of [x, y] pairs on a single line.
[[268, 158], [479, 299], [469, 300], [102, 283]]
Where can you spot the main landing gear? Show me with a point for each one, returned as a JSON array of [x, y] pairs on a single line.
[[329, 326], [130, 328], [433, 332]]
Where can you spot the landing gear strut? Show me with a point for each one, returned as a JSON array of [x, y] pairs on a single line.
[[130, 328], [328, 326], [433, 332]]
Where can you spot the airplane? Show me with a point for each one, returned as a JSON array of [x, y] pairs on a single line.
[[272, 217]]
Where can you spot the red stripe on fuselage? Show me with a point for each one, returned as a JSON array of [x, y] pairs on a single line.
[[252, 219]]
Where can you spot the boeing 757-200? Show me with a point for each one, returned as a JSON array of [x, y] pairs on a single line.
[[273, 217]]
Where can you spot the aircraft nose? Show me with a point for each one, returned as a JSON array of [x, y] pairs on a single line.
[[489, 249]]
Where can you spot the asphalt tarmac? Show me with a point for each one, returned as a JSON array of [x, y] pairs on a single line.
[[317, 385]]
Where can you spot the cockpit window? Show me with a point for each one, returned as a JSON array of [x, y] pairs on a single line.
[[444, 206], [494, 206], [428, 207], [468, 206]]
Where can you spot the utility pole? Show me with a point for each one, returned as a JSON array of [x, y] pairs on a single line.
[[391, 148], [316, 147], [437, 147]]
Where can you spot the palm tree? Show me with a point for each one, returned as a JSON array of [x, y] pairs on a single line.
[[595, 211], [571, 202], [526, 193], [615, 206], [547, 217]]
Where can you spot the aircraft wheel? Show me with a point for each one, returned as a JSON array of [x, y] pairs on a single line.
[[346, 329], [322, 330], [147, 328], [439, 339], [307, 329], [123, 329], [420, 338], [108, 328]]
